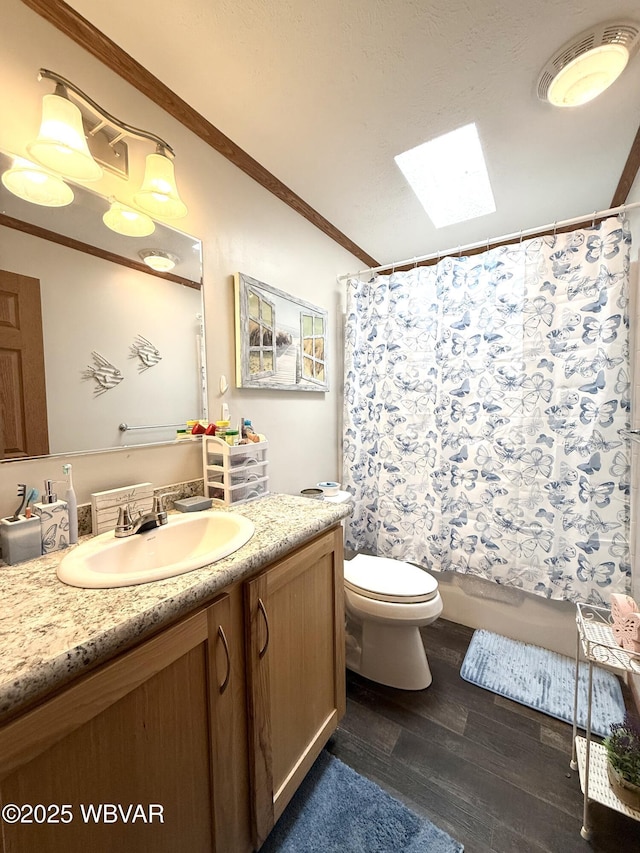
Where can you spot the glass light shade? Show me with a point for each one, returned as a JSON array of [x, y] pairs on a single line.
[[32, 183], [588, 75], [125, 220], [158, 194], [159, 260], [61, 144]]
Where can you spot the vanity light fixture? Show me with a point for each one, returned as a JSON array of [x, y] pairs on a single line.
[[61, 144], [158, 194], [72, 126], [32, 183], [158, 259], [127, 221], [588, 64]]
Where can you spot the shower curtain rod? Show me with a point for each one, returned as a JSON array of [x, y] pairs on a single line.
[[597, 214]]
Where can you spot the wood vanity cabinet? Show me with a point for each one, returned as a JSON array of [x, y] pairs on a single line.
[[165, 725], [295, 670], [162, 724]]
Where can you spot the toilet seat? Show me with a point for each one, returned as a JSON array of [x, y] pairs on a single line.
[[384, 579]]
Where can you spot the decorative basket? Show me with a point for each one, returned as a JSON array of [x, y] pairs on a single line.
[[626, 792]]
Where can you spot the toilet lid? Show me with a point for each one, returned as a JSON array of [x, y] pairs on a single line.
[[384, 579]]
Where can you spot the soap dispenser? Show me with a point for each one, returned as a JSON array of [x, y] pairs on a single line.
[[54, 520]]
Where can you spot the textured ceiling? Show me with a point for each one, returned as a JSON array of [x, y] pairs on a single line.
[[324, 94]]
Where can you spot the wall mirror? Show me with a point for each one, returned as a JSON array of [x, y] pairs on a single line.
[[90, 338]]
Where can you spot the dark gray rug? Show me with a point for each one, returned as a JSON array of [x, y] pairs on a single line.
[[336, 810], [542, 680]]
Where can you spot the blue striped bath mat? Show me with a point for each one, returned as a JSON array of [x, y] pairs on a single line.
[[542, 680]]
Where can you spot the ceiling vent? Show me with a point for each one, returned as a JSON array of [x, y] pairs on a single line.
[[588, 64]]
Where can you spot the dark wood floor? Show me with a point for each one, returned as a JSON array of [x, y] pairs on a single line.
[[493, 774]]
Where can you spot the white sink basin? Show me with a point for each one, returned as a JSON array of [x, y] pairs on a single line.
[[186, 542]]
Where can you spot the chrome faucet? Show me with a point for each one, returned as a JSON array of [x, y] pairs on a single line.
[[128, 525]]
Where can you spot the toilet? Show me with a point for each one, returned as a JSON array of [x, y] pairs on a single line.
[[387, 602]]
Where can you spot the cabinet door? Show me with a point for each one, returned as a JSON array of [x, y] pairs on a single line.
[[232, 814], [296, 676], [139, 731]]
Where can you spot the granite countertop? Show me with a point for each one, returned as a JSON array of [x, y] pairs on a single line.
[[51, 632]]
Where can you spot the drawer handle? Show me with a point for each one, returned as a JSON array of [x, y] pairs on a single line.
[[262, 609], [222, 687]]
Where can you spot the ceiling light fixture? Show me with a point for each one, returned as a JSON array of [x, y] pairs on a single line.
[[158, 259], [64, 146], [125, 220], [32, 183], [588, 64]]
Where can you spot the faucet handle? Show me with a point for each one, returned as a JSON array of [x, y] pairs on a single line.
[[125, 521]]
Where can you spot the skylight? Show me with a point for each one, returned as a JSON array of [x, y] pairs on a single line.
[[449, 176]]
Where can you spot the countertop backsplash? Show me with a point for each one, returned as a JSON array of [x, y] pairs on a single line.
[[183, 490]]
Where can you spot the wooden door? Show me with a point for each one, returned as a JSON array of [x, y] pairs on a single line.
[[296, 675], [138, 731], [23, 399]]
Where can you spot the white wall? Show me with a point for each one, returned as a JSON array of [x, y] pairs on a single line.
[[243, 228]]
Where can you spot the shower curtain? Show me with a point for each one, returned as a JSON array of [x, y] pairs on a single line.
[[487, 406]]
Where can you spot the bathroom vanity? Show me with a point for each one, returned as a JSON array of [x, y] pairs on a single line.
[[202, 701]]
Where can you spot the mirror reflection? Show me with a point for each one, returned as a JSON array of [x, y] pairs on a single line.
[[90, 340], [82, 221]]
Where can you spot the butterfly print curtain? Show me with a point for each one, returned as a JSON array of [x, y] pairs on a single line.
[[487, 400]]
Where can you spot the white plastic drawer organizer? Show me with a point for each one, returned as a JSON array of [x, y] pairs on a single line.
[[234, 474]]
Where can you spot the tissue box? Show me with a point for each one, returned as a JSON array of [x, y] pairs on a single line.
[[632, 642], [625, 622], [628, 633], [194, 504], [622, 606]]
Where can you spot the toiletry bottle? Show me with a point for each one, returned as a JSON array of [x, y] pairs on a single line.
[[54, 520], [221, 429], [232, 437], [72, 505]]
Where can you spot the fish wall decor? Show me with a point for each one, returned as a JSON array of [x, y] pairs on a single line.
[[105, 375], [147, 352]]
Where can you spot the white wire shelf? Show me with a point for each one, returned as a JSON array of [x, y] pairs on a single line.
[[599, 790], [598, 642]]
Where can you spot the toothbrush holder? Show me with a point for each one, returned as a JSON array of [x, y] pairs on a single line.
[[20, 539]]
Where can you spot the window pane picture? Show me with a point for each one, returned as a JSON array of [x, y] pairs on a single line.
[[281, 341]]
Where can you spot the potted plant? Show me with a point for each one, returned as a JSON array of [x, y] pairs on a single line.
[[623, 765]]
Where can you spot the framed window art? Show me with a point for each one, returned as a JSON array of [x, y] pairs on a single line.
[[281, 341]]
